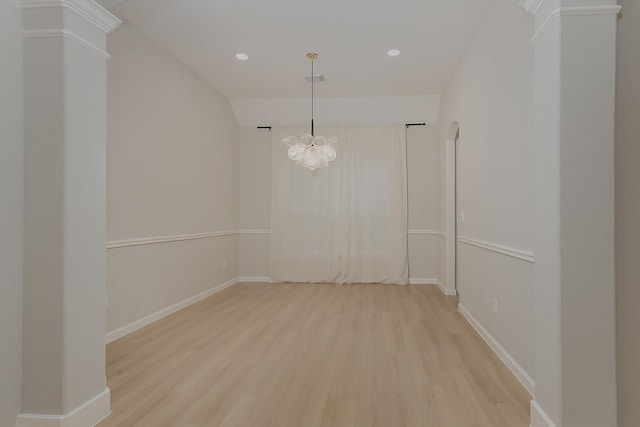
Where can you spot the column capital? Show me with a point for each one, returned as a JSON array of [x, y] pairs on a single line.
[[84, 22], [89, 10], [546, 12], [530, 6], [546, 7]]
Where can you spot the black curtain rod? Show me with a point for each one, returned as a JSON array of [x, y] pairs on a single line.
[[406, 125]]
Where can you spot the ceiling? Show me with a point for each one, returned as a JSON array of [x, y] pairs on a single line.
[[350, 36]]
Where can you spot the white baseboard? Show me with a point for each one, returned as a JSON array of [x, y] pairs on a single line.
[[255, 279], [443, 288], [538, 417], [509, 361], [141, 323], [88, 414]]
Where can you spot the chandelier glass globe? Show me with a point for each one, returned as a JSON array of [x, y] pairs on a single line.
[[311, 152]]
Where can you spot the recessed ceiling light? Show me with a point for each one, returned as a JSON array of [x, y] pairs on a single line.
[[242, 56], [393, 52]]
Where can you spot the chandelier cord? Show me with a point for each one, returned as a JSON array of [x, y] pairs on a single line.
[[309, 151], [312, 130]]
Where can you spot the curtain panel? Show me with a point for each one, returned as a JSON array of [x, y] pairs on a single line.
[[346, 223]]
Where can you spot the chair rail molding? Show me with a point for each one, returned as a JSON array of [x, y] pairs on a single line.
[[411, 232], [499, 249], [254, 231], [113, 244]]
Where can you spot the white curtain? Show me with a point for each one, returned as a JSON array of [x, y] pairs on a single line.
[[346, 223]]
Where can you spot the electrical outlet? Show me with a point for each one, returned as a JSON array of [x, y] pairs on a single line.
[[224, 264], [461, 217], [495, 306]]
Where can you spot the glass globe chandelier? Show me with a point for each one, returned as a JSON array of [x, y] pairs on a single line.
[[310, 151]]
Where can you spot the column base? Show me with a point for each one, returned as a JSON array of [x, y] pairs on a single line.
[[89, 413]]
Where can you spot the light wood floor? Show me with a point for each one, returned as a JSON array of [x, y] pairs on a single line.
[[285, 355]]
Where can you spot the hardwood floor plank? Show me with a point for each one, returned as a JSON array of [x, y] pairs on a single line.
[[280, 355]]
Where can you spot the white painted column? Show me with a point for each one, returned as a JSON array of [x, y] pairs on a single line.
[[64, 70], [575, 47]]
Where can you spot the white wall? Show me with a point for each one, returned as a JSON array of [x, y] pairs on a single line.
[[254, 201], [172, 171], [423, 185], [331, 111], [627, 214], [254, 186], [11, 169], [491, 96]]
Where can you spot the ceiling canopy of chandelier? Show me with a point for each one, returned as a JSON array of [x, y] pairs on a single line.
[[310, 151]]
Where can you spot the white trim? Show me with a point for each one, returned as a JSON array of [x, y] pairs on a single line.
[[538, 417], [531, 6], [36, 34], [427, 232], [254, 231], [443, 288], [89, 413], [509, 361], [412, 232], [255, 279], [418, 281], [147, 320], [165, 239], [574, 11], [503, 250], [451, 172], [89, 10]]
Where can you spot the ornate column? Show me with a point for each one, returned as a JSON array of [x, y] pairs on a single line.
[[574, 84], [64, 63]]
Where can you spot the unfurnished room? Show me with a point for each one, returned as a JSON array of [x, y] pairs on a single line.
[[336, 214]]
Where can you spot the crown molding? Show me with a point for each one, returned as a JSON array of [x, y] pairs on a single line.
[[574, 11], [87, 9], [37, 34], [531, 6]]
